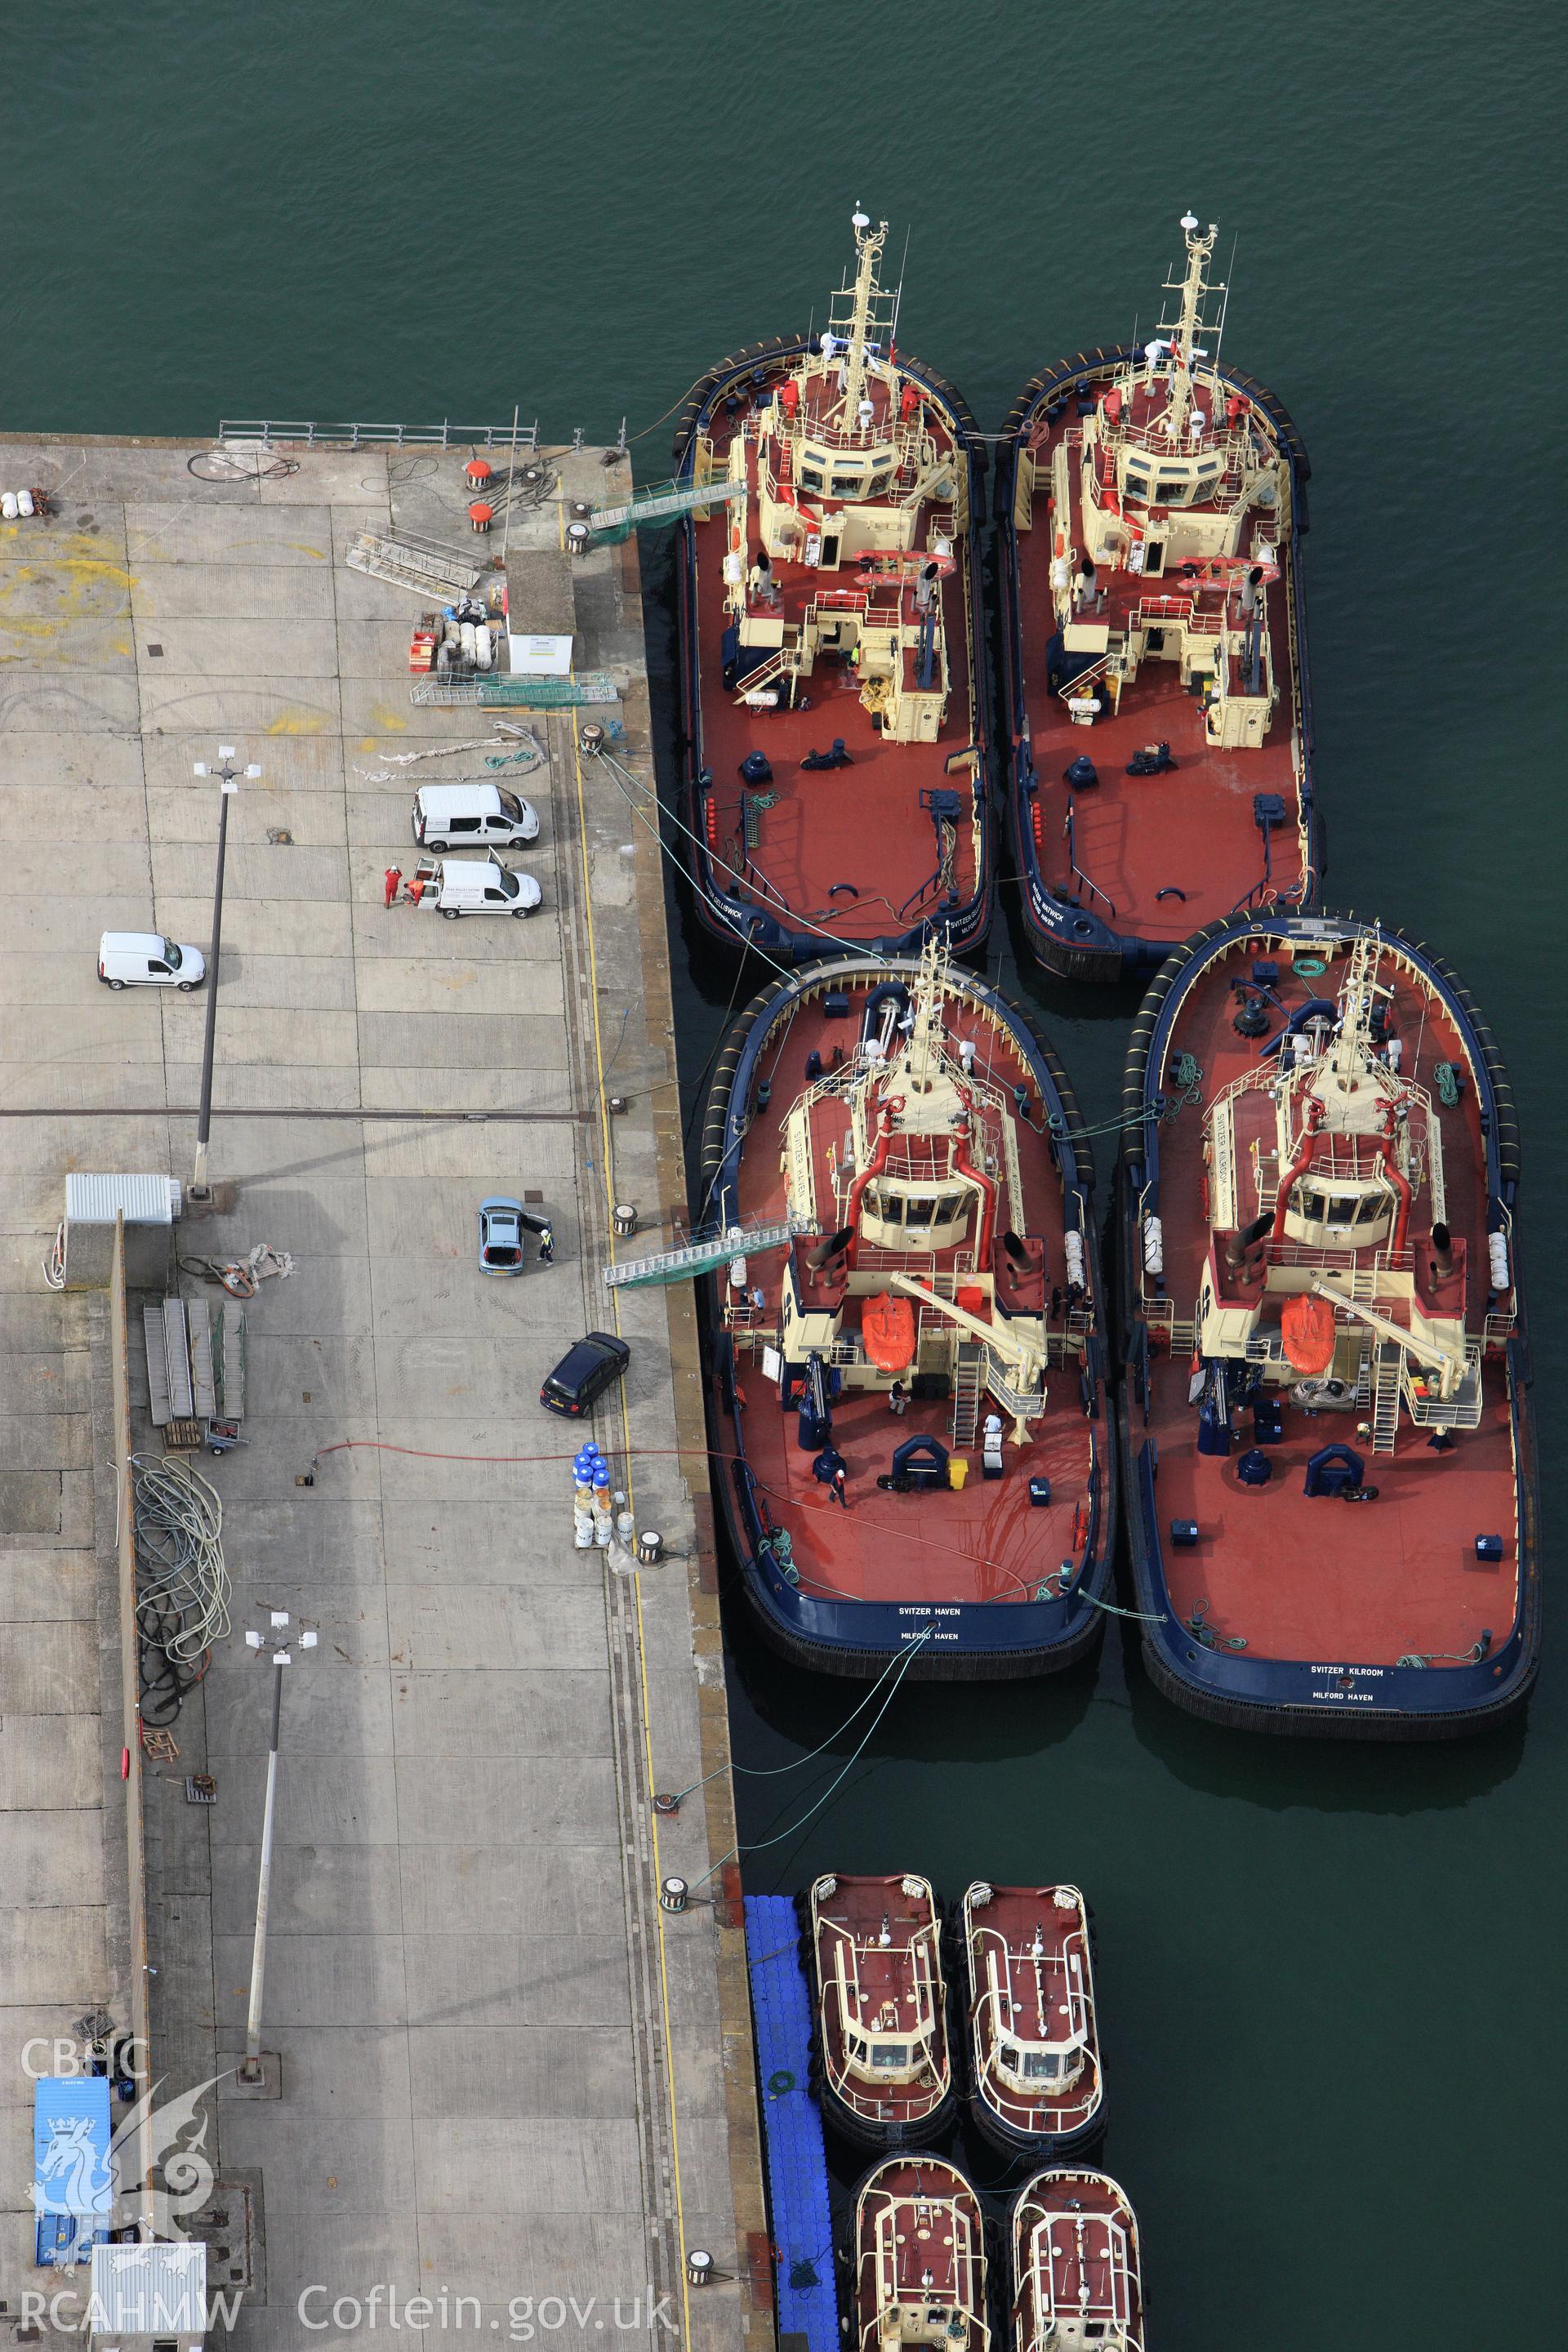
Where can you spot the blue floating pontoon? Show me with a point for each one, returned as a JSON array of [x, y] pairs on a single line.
[[792, 2126]]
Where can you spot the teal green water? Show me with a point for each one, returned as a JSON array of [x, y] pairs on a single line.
[[1331, 1978]]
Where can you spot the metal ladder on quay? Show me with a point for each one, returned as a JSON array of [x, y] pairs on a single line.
[[1388, 1363]]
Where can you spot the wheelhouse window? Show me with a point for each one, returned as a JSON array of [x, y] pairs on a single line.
[[1137, 485], [811, 478], [919, 1212], [878, 485], [1309, 1204], [847, 482], [1342, 1209], [890, 1208], [890, 2054]]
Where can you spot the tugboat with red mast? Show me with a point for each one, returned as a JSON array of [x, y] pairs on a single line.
[[1034, 2039], [833, 708], [881, 2010], [919, 2259], [910, 1390], [1077, 2270], [1326, 1418], [1151, 504]]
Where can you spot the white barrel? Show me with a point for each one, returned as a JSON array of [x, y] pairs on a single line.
[[1059, 572], [482, 645], [8, 507], [734, 571], [24, 502], [466, 634], [1076, 1260], [1496, 1252], [737, 1274], [582, 1530], [1154, 1246], [625, 1527], [604, 1529]]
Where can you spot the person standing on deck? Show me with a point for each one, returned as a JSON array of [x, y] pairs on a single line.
[[832, 1470], [1086, 587]]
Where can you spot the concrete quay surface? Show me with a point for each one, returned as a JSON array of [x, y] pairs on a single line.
[[506, 2076]]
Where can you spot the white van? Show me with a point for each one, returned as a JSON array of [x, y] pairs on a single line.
[[473, 885], [460, 816], [145, 959]]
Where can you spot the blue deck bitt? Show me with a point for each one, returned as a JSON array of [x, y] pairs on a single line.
[[792, 2124]]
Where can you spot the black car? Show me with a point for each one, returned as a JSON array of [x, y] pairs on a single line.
[[585, 1372]]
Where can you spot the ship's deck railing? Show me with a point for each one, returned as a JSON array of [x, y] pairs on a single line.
[[1064, 1969], [1061, 2235], [925, 1991]]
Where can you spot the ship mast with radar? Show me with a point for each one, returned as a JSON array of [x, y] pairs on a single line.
[[865, 300], [1181, 338]]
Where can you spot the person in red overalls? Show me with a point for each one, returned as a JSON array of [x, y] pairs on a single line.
[[391, 879]]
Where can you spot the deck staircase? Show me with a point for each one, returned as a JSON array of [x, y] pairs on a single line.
[[968, 1388], [778, 664], [1387, 1365], [1085, 678]]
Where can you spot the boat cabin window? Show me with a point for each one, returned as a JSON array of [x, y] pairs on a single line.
[[891, 2054], [1373, 1207], [1029, 2065], [890, 1208], [1137, 485], [878, 485], [1309, 1205], [918, 1213], [1342, 1209], [857, 2047], [811, 478], [847, 482]]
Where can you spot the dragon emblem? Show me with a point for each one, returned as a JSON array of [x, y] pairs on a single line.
[[170, 2139]]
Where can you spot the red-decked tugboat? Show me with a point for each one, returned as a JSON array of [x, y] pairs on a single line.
[[833, 707], [1326, 1417], [882, 2011], [910, 1386], [1151, 504], [1077, 2275], [1033, 2042], [919, 2259]]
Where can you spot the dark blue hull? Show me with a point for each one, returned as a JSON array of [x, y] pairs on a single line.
[[978, 1642], [1335, 1697], [735, 920], [1069, 939]]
